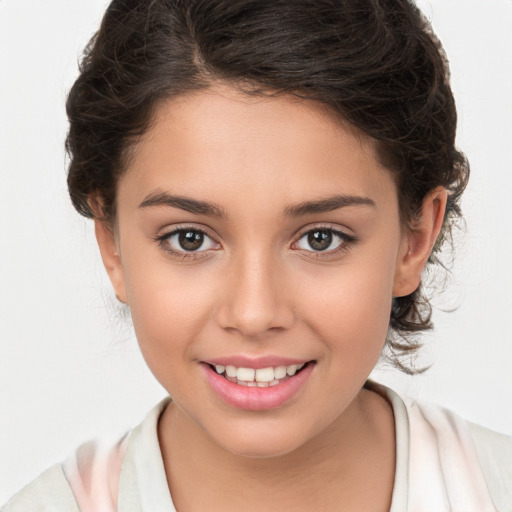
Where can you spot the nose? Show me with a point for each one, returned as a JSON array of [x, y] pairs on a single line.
[[256, 299]]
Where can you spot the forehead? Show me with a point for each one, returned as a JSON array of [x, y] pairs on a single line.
[[275, 147]]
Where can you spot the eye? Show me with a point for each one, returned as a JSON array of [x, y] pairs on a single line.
[[187, 240], [324, 240]]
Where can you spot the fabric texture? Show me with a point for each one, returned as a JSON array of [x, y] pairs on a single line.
[[442, 464]]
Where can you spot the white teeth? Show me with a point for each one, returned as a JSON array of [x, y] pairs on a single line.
[[246, 374], [291, 370], [261, 377], [280, 372], [265, 374], [231, 371]]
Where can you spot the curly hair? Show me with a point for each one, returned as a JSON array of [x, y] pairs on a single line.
[[374, 63]]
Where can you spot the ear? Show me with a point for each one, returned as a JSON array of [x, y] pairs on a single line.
[[110, 255], [418, 242]]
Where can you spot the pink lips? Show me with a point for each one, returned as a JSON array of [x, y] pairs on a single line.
[[255, 398]]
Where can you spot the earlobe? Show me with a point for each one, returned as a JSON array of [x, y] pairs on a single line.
[[111, 257], [418, 242]]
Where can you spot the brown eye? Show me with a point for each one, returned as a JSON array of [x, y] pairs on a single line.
[[320, 240], [188, 240], [323, 240]]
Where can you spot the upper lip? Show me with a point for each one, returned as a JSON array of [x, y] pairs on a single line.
[[241, 361]]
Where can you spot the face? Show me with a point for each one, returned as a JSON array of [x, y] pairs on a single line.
[[258, 246]]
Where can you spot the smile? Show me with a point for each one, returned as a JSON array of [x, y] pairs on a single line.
[[257, 389], [258, 377]]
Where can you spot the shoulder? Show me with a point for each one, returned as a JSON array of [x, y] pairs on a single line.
[[86, 481], [465, 450], [445, 462], [50, 492], [99, 473], [495, 454]]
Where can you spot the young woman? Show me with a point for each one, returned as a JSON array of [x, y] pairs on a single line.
[[268, 181]]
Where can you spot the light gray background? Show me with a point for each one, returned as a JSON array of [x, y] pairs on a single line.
[[69, 366]]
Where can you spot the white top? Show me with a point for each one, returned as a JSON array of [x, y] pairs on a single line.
[[443, 464]]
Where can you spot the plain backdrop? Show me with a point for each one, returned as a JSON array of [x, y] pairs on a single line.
[[70, 369]]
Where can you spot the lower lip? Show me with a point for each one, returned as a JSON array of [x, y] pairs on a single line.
[[255, 398]]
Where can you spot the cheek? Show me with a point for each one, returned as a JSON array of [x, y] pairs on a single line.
[[351, 306], [169, 305], [167, 321]]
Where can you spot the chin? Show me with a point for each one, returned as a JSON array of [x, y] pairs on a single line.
[[260, 443]]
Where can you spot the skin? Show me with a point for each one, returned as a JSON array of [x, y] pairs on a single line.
[[259, 288]]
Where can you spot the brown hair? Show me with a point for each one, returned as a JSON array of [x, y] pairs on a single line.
[[375, 63]]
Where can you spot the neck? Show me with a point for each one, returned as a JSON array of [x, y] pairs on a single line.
[[352, 462]]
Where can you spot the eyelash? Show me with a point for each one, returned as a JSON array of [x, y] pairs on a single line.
[[346, 242], [163, 242]]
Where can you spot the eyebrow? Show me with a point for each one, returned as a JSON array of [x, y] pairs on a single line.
[[328, 204], [183, 203], [198, 207]]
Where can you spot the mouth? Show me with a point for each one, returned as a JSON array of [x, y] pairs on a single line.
[[257, 389], [258, 377]]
